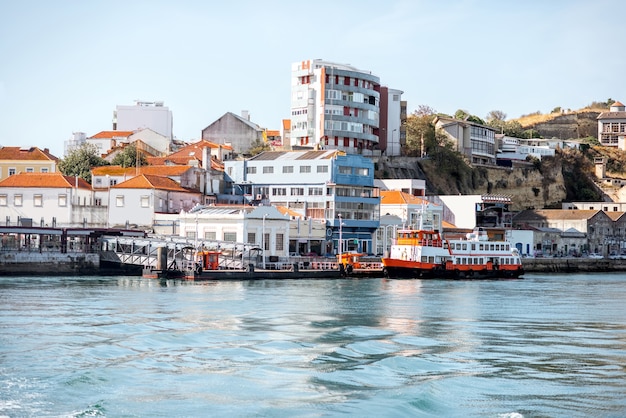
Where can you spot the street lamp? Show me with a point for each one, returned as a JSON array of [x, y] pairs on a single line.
[[108, 199], [263, 240], [340, 232]]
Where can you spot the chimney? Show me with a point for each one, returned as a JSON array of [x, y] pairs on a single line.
[[245, 114]]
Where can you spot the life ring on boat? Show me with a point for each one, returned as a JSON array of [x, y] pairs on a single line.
[[198, 268]]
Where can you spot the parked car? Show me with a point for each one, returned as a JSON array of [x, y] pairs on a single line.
[[595, 255]]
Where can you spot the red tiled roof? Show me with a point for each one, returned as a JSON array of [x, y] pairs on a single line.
[[159, 170], [395, 197], [111, 134], [44, 180], [147, 181], [29, 154]]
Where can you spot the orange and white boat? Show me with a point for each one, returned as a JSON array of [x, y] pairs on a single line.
[[424, 254]]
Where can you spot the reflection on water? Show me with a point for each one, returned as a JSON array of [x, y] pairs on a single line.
[[551, 345]]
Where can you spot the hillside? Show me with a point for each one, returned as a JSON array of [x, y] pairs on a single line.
[[566, 124], [569, 176]]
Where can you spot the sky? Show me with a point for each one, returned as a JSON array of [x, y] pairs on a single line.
[[65, 65]]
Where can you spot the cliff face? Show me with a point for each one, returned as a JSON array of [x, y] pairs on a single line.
[[572, 125], [529, 187]]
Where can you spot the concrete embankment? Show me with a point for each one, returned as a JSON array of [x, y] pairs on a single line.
[[13, 263], [571, 265]]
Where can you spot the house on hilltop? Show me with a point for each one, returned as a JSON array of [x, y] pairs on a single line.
[[14, 160]]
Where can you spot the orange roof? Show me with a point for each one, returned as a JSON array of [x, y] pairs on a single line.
[[446, 224], [286, 211], [147, 181], [111, 134], [287, 124], [30, 154], [44, 180], [272, 133], [160, 170], [396, 197]]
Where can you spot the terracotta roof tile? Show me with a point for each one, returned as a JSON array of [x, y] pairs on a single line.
[[44, 180], [396, 197], [160, 170], [148, 181], [111, 134], [29, 154]]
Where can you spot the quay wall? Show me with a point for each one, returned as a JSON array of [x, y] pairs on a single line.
[[14, 263], [572, 265]]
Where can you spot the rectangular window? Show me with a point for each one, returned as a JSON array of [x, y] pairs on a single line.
[[316, 191], [251, 170], [305, 169], [209, 235], [268, 170], [17, 200], [230, 236], [44, 169], [11, 171], [297, 191], [362, 171], [62, 200], [266, 242], [145, 202], [280, 242], [251, 238], [288, 169], [30, 170], [119, 201], [190, 234], [322, 169], [3, 200], [345, 169]]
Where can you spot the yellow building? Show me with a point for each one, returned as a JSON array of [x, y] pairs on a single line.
[[15, 160]]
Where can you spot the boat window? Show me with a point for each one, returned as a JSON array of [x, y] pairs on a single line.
[[481, 247], [491, 247], [464, 246], [424, 259], [473, 247], [507, 247], [431, 259]]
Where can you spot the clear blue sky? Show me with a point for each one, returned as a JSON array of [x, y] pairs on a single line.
[[65, 65]]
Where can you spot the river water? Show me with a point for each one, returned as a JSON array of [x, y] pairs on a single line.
[[547, 345]]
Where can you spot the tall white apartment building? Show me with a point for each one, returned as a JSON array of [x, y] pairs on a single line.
[[152, 115], [334, 106]]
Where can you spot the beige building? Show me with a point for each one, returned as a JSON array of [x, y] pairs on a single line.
[[14, 160]]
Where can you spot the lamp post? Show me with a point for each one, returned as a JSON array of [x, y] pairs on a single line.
[[340, 232], [108, 199], [263, 240]]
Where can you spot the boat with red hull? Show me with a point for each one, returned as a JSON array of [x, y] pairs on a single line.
[[423, 254]]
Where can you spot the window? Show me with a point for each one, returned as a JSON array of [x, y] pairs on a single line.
[[119, 201], [297, 191], [268, 169], [62, 200], [280, 242], [190, 234], [279, 191], [251, 170], [145, 202], [362, 171], [316, 191], [288, 169], [30, 170], [230, 236], [345, 169], [44, 169], [305, 169], [11, 171], [266, 242], [322, 169], [251, 237], [209, 235], [17, 200], [3, 200]]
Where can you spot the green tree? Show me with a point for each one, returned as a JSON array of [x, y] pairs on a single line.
[[80, 160], [130, 157]]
